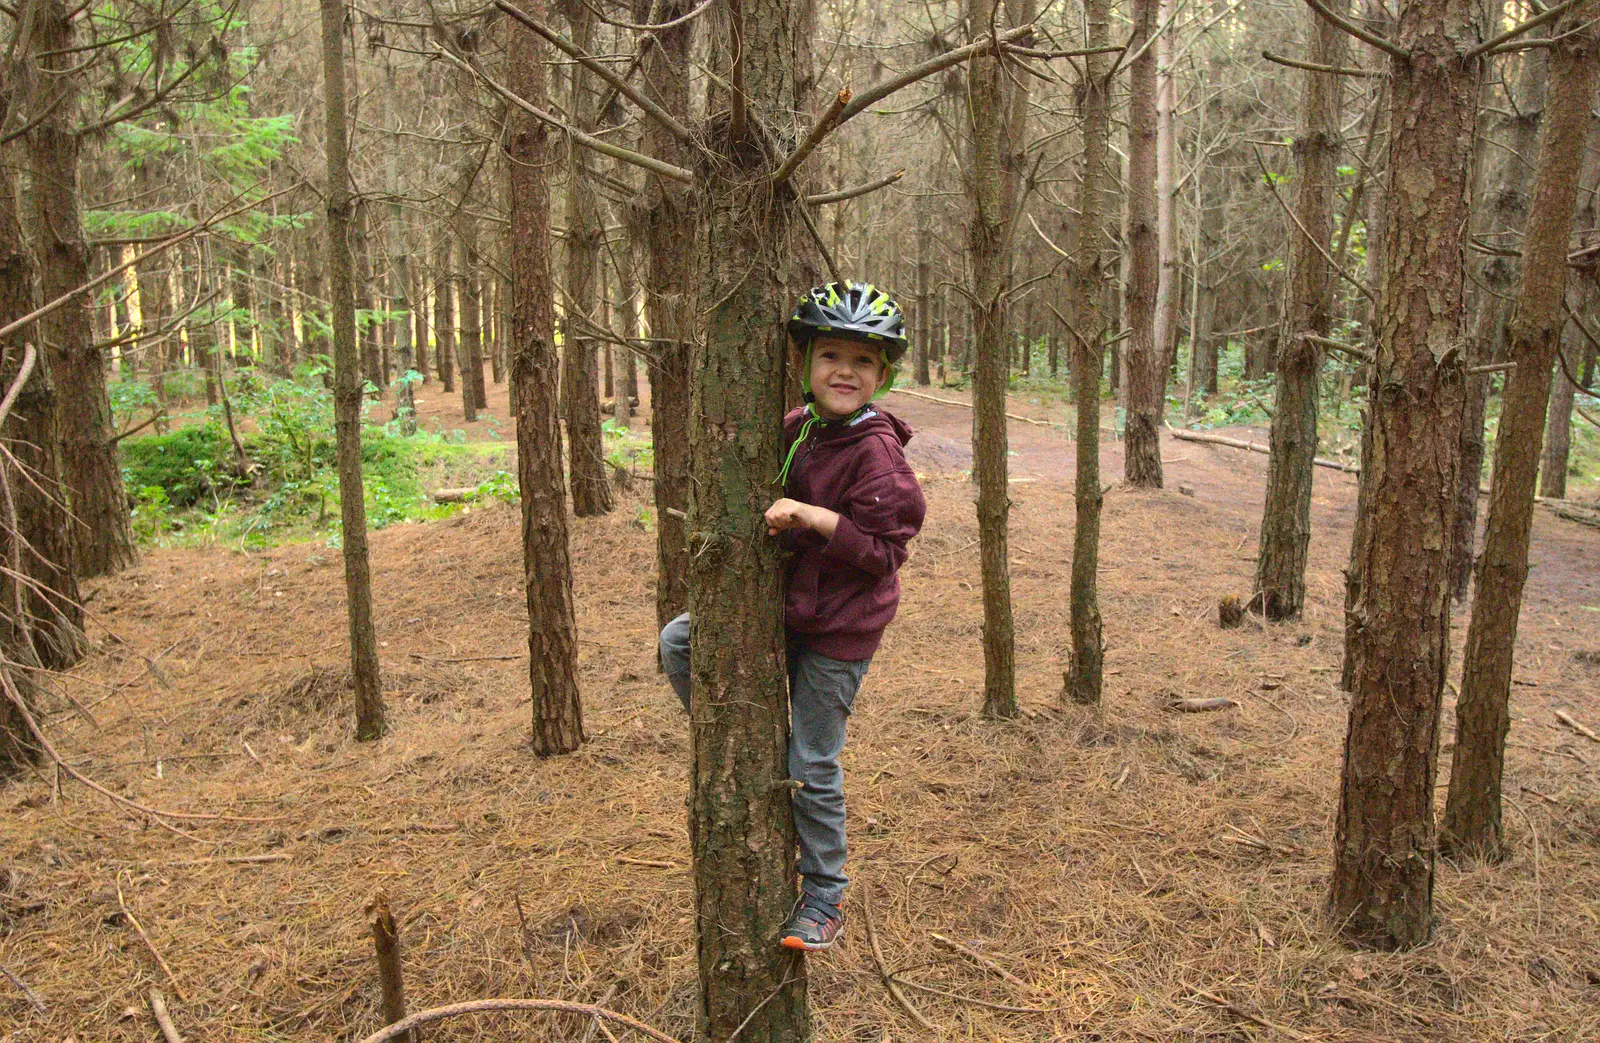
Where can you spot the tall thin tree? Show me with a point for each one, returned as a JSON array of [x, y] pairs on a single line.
[[1145, 360], [1280, 586], [1473, 808], [547, 564], [347, 383], [1084, 675]]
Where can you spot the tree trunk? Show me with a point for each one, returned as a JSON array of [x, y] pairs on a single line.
[[580, 390], [405, 404], [1084, 678], [1496, 275], [367, 295], [1472, 810], [1169, 286], [1558, 440], [347, 383], [996, 104], [474, 395], [1144, 357], [1280, 587], [444, 311], [1382, 886], [41, 621], [924, 332], [101, 536], [670, 234], [741, 826], [547, 567]]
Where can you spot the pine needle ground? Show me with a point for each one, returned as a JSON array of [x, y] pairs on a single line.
[[1138, 874]]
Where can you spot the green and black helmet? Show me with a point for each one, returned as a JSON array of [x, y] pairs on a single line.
[[857, 311]]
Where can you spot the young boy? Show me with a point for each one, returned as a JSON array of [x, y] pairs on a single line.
[[851, 504]]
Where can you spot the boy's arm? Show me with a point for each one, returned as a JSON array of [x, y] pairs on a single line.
[[882, 513]]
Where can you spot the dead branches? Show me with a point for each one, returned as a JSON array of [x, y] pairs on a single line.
[[889, 981], [158, 1007], [456, 1010]]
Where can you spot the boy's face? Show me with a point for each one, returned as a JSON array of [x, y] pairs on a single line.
[[845, 374]]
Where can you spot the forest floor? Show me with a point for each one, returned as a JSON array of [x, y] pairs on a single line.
[[1141, 875]]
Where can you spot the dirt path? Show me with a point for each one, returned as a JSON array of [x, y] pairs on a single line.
[[1565, 557]]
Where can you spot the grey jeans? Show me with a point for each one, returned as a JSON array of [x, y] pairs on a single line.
[[821, 693]]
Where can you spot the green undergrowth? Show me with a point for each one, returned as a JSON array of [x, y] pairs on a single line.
[[188, 486]]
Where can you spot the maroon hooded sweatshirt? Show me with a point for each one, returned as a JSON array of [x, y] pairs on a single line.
[[842, 592]]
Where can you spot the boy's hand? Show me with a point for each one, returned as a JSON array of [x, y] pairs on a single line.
[[792, 514]]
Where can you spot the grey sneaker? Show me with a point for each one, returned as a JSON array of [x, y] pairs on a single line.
[[814, 926]]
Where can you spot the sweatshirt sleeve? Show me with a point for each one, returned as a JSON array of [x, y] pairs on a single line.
[[883, 510]]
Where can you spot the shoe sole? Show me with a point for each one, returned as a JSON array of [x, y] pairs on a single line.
[[801, 945]]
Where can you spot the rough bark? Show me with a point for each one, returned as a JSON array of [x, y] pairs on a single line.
[[996, 102], [1084, 676], [741, 827], [1280, 585], [668, 222], [101, 535], [347, 383], [580, 388], [1473, 807], [1169, 284], [1382, 886], [1496, 275], [547, 565], [41, 621], [1144, 359]]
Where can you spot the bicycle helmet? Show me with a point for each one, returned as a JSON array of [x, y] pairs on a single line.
[[856, 311]]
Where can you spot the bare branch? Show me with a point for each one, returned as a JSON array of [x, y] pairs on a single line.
[[839, 196], [621, 86], [1294, 63], [704, 6], [1338, 345], [816, 237], [1550, 14], [873, 95], [1034, 52], [1326, 256], [111, 273], [588, 141], [1388, 47], [424, 1017], [30, 355], [829, 119]]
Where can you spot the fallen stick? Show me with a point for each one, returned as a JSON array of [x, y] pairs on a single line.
[[137, 926], [455, 1010], [158, 1007], [38, 1004], [1582, 729], [967, 405], [990, 1004], [1254, 447], [652, 863], [467, 658], [1200, 705], [232, 860], [980, 959], [460, 495], [1254, 1019], [883, 971]]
